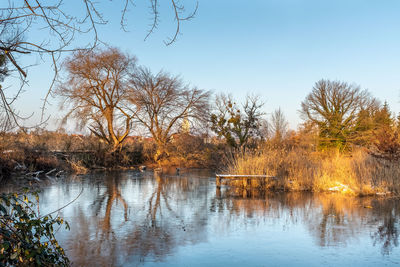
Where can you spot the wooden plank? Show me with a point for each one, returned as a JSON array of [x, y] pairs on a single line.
[[242, 176], [219, 182], [246, 179]]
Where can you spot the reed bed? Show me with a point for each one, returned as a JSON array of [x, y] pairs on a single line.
[[358, 173]]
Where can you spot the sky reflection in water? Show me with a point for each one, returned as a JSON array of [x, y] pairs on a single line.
[[135, 219]]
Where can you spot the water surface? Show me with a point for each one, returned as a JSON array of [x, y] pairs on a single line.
[[142, 219]]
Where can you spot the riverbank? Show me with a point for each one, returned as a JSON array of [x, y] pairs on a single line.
[[37, 167], [37, 156], [357, 173], [38, 153]]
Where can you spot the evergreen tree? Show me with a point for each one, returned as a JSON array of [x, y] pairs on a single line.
[[383, 118], [385, 138]]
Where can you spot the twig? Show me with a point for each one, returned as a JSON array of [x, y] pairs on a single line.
[[63, 207]]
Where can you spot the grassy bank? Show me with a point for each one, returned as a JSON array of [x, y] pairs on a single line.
[[46, 151], [295, 169]]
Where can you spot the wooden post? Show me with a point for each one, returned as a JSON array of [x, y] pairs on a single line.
[[218, 181], [218, 192], [246, 182]]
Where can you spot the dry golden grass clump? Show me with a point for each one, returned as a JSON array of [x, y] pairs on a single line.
[[77, 167], [357, 173]]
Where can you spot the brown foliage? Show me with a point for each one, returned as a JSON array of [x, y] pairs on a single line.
[[387, 144]]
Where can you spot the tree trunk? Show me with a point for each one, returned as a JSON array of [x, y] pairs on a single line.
[[161, 151], [109, 115]]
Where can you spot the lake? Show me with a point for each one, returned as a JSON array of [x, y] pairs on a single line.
[[141, 219]]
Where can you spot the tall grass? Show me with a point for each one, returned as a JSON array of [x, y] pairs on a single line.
[[296, 169]]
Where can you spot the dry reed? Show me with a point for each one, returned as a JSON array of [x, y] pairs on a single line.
[[299, 170]]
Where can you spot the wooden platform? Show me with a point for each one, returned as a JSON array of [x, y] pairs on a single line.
[[246, 178]]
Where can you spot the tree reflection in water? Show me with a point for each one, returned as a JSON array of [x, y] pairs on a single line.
[[333, 219], [387, 233], [134, 219]]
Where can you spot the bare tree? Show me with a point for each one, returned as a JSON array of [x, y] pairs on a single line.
[[95, 91], [278, 125], [237, 125], [161, 103], [334, 107], [20, 21]]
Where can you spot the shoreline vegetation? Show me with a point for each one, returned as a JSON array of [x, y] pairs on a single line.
[[356, 174], [41, 154], [296, 166], [349, 142]]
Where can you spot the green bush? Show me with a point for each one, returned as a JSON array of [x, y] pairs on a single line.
[[26, 238]]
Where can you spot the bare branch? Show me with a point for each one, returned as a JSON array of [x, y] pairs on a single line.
[[96, 88], [162, 102], [19, 19]]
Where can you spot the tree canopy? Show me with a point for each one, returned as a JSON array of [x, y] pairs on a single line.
[[335, 106], [96, 91], [237, 124], [162, 102]]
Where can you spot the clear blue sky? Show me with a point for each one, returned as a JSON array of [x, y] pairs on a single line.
[[275, 48]]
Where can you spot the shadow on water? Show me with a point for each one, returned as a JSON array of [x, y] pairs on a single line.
[[135, 218]]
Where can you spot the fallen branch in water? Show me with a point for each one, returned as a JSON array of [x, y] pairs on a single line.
[[34, 174], [50, 172]]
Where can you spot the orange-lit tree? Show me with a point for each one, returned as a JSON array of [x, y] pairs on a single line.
[[162, 102], [95, 90]]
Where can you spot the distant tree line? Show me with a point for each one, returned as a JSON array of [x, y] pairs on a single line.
[[107, 92]]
